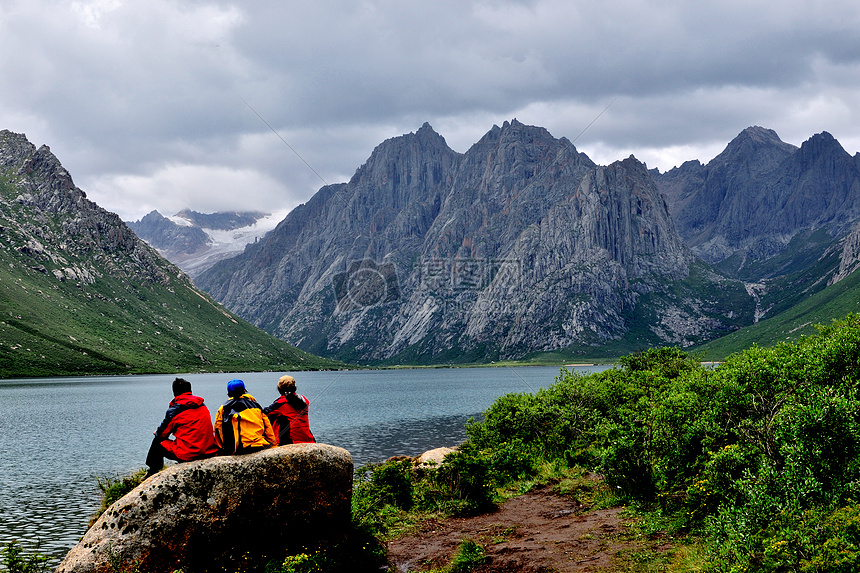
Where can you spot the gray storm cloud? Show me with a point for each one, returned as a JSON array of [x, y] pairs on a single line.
[[143, 101]]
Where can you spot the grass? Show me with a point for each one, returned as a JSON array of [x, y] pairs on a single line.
[[469, 555], [822, 307], [53, 327], [115, 487], [17, 560]]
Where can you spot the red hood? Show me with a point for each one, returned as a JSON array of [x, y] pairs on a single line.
[[187, 399]]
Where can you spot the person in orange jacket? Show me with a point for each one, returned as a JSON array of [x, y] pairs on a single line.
[[289, 414], [189, 421], [240, 425]]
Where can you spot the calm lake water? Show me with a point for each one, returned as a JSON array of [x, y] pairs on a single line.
[[58, 434]]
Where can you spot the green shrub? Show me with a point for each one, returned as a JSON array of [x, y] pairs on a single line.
[[666, 362], [624, 461], [466, 474], [812, 541], [16, 560], [393, 482], [469, 555], [795, 413], [512, 460]]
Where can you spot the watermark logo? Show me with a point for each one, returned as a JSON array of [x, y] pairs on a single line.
[[453, 281], [468, 273], [366, 283]]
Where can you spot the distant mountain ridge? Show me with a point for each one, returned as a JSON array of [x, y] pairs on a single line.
[[748, 203], [520, 245], [195, 241], [80, 293]]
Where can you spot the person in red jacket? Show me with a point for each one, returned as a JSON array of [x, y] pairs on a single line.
[[289, 414], [189, 421]]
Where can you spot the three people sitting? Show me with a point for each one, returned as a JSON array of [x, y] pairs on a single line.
[[241, 426]]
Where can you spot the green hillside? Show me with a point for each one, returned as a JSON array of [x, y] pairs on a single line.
[[52, 328], [80, 294], [823, 307]]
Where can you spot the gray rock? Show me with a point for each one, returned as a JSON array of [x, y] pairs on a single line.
[[849, 259], [749, 203], [521, 244], [213, 515], [434, 458]]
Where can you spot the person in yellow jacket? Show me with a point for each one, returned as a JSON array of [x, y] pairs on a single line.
[[241, 427]]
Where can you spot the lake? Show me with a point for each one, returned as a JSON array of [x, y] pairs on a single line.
[[59, 434]]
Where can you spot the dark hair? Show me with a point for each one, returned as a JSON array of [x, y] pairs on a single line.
[[180, 386], [295, 401]]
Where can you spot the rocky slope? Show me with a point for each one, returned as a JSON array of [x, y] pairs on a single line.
[[849, 255], [520, 245], [80, 293], [749, 203], [195, 241]]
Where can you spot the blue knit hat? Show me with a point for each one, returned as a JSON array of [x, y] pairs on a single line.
[[235, 388]]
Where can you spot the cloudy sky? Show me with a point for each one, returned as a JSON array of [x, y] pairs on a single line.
[[144, 102]]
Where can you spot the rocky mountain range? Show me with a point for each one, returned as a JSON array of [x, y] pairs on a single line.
[[520, 245], [80, 293], [760, 195], [195, 241]]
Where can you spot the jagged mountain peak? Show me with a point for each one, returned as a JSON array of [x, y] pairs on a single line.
[[14, 147], [691, 166], [520, 244], [822, 144], [513, 131], [426, 131], [153, 215], [756, 144], [38, 163], [530, 147], [403, 149], [425, 135], [760, 134], [222, 220]]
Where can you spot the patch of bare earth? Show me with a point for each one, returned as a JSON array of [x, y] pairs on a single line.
[[538, 532]]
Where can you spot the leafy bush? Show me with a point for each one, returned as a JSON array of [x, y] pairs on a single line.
[[761, 454], [16, 560], [393, 483], [466, 474], [512, 460], [812, 541]]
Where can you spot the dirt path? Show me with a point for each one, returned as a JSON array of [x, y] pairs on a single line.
[[540, 531]]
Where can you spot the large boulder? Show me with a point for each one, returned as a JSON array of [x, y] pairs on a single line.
[[434, 458], [227, 513]]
